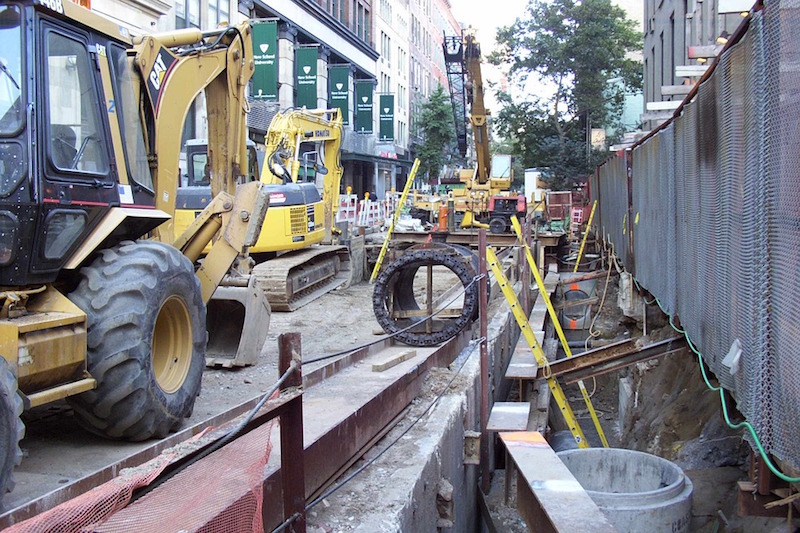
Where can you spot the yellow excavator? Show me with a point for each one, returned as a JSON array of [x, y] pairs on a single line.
[[102, 304], [297, 260]]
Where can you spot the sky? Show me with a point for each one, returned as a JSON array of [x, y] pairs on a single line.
[[487, 17]]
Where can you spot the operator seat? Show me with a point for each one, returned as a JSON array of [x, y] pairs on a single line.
[[62, 145]]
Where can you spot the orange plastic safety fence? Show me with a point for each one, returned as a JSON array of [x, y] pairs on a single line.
[[222, 493]]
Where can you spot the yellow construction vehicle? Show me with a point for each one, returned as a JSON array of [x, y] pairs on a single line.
[[492, 175], [302, 174], [102, 305]]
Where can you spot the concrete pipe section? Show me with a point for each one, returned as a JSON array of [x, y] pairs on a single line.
[[636, 491], [422, 282]]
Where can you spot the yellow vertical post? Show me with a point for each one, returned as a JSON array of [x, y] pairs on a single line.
[[409, 181], [585, 235], [557, 325]]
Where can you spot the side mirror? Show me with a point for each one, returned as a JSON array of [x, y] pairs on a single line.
[[10, 18]]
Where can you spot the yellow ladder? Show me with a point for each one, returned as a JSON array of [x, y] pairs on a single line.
[[400, 204], [541, 360], [585, 235], [557, 325]]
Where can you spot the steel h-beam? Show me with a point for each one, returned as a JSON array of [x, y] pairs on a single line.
[[612, 357], [291, 421]]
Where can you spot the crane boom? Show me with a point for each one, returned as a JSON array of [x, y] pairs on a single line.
[[462, 57]]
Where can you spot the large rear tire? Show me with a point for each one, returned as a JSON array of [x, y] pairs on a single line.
[[11, 428], [146, 341]]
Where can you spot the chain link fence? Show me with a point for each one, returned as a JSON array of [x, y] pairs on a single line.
[[714, 221]]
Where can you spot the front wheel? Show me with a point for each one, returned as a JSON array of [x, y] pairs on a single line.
[[146, 341], [497, 226], [11, 428]]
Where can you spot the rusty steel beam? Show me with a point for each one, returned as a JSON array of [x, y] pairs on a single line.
[[220, 423], [291, 424], [332, 450], [458, 237], [591, 275], [612, 357]]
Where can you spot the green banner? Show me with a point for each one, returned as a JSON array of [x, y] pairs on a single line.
[[364, 106], [265, 56], [306, 69], [339, 76], [386, 117]]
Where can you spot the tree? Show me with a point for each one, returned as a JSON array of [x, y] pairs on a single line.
[[436, 125], [575, 47]]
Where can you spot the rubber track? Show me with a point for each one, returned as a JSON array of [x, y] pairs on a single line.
[[273, 275]]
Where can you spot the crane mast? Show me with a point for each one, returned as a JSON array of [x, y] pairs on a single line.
[[462, 55]]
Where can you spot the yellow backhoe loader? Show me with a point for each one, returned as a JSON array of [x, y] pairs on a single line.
[[102, 304], [302, 174]]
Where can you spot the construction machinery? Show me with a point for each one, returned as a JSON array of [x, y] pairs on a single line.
[[492, 175], [102, 304], [302, 173]]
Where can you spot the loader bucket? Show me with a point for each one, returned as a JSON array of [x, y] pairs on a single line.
[[237, 321]]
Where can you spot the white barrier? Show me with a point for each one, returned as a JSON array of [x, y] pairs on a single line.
[[367, 212]]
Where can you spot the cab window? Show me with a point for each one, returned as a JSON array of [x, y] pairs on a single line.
[[76, 139], [128, 116]]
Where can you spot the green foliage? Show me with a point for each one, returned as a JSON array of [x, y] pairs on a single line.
[[576, 48], [436, 124]]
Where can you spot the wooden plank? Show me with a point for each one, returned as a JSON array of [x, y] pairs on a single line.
[[690, 71], [549, 498], [675, 90], [393, 360], [655, 115], [734, 6], [537, 421], [523, 363], [663, 106], [509, 416], [709, 50]]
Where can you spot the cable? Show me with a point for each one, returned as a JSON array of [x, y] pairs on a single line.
[[475, 344], [593, 334], [744, 424], [398, 332], [225, 439]]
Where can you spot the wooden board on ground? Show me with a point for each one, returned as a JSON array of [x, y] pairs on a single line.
[[509, 416], [392, 360]]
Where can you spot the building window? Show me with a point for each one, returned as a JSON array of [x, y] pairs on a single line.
[[187, 14], [218, 12], [386, 48], [366, 35]]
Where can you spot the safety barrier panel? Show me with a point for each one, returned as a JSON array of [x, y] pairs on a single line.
[[368, 212]]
